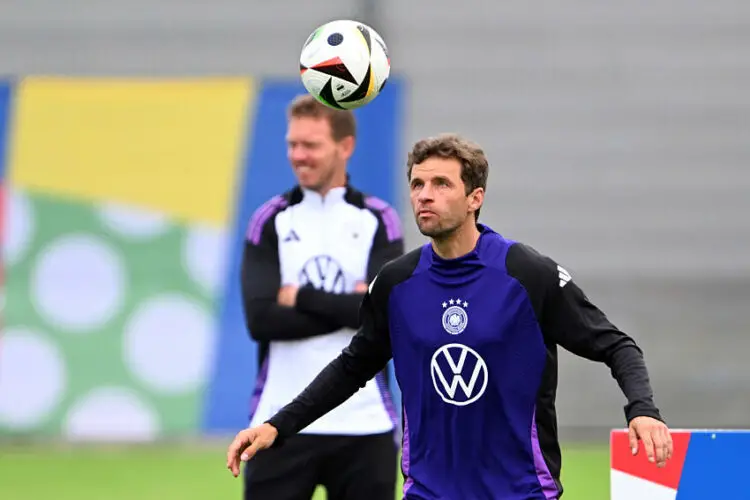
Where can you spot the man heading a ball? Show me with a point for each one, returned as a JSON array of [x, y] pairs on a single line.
[[472, 321]]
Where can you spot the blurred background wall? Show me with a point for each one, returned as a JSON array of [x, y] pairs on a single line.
[[618, 134]]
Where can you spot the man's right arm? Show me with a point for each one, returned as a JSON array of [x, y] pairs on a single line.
[[367, 354], [387, 245], [261, 278]]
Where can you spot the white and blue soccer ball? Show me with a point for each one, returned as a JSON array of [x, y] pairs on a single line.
[[344, 64]]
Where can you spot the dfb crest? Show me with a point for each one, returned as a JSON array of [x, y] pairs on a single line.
[[455, 318]]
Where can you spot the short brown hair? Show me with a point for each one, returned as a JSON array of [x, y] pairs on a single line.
[[342, 122], [474, 164]]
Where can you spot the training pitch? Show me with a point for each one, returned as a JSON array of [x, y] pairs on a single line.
[[194, 472]]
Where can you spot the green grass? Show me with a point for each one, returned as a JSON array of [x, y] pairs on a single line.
[[193, 472]]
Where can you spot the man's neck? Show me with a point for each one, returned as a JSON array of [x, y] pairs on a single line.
[[462, 241], [324, 191], [338, 181]]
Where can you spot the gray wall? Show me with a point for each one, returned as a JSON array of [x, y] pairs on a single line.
[[619, 135]]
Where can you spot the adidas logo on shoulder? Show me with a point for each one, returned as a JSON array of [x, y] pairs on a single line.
[[563, 275], [292, 236]]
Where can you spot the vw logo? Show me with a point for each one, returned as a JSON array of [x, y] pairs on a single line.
[[323, 273], [454, 367]]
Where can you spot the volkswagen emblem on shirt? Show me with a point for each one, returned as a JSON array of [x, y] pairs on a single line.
[[323, 273], [455, 318], [459, 374]]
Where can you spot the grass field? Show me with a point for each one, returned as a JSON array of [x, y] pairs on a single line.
[[193, 473]]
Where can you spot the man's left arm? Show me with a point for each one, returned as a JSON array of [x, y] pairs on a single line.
[[568, 318], [575, 323], [388, 244]]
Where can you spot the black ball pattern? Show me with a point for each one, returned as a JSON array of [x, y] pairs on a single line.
[[335, 39]]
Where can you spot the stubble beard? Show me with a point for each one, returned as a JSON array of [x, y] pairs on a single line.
[[325, 180], [439, 232]]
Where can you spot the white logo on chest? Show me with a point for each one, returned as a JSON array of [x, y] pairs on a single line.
[[455, 318], [323, 273], [457, 365]]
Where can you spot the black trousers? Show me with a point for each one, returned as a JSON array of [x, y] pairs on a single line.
[[349, 467]]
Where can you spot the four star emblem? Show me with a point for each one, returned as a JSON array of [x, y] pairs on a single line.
[[457, 302]]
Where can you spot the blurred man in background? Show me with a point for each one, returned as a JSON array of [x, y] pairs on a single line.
[[309, 256]]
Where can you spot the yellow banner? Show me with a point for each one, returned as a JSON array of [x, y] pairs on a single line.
[[174, 146]]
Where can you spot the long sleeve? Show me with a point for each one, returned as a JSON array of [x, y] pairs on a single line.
[[569, 319], [367, 354], [340, 307], [579, 326], [343, 308], [261, 279]]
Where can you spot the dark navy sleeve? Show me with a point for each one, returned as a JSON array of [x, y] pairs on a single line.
[[387, 244], [569, 319], [367, 354], [260, 281]]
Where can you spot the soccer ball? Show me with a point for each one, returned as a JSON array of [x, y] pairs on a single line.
[[344, 64]]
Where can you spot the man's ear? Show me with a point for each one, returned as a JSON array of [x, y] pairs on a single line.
[[476, 199], [346, 147]]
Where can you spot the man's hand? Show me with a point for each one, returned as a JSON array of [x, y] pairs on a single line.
[[656, 439], [360, 287], [288, 295], [247, 443]]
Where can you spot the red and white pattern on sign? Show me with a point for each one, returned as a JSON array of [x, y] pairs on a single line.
[[635, 477], [627, 487]]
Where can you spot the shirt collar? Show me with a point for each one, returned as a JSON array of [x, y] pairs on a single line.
[[334, 195]]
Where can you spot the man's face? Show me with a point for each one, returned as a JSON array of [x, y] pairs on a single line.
[[438, 197], [313, 153]]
